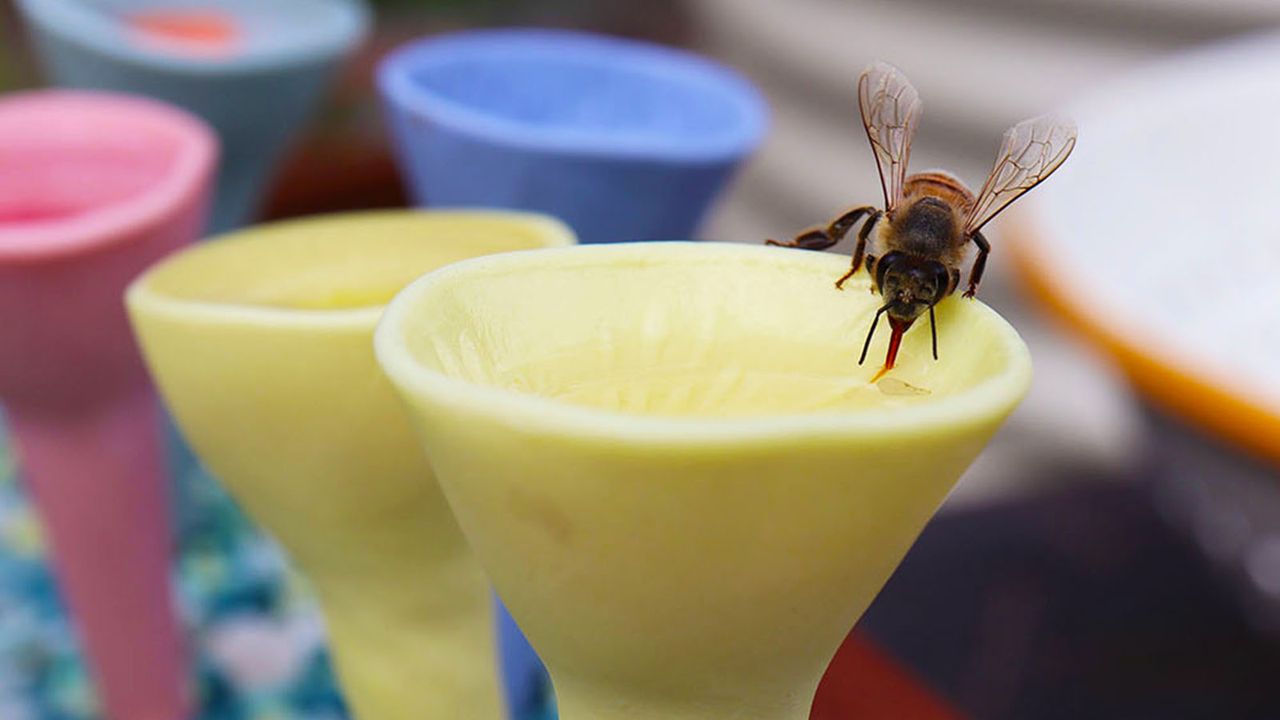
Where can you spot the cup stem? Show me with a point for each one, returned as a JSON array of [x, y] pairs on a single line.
[[99, 485], [409, 648], [578, 703]]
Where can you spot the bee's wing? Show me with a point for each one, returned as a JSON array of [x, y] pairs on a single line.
[[890, 109], [1030, 152]]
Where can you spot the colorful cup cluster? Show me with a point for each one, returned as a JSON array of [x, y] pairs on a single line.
[[621, 140]]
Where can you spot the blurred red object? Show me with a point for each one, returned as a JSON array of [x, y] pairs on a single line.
[[201, 32], [863, 683], [336, 174]]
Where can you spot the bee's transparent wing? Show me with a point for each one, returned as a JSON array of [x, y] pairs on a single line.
[[890, 109], [1030, 152]]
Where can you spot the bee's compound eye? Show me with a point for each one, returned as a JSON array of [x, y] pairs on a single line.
[[941, 281], [891, 258], [887, 261]]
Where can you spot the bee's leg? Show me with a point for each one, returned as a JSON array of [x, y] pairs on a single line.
[[863, 235], [813, 239], [852, 269], [820, 238], [873, 286], [861, 248], [979, 264], [843, 224]]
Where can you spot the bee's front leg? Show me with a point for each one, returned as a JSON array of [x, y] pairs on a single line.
[[863, 235], [812, 239], [823, 238], [979, 263]]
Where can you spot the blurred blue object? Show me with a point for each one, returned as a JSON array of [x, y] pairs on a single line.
[[254, 70], [525, 680], [622, 140]]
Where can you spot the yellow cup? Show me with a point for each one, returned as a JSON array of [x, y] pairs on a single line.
[[261, 345], [669, 463]]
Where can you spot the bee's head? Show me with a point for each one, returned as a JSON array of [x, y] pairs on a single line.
[[909, 286]]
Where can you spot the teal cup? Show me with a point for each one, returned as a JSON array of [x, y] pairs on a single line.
[[253, 69]]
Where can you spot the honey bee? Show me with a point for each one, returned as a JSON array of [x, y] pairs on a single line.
[[920, 238]]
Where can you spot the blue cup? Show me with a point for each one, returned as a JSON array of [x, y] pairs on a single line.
[[622, 140], [254, 69]]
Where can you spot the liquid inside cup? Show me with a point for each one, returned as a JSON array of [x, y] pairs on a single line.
[[718, 339], [50, 183], [355, 262], [692, 388], [35, 213], [194, 31], [64, 160]]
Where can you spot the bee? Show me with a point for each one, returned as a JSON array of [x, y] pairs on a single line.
[[914, 247]]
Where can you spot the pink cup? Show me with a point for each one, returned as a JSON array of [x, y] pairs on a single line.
[[94, 187]]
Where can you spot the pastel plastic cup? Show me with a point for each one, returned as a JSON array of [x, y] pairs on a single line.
[[620, 139], [93, 188], [687, 490], [254, 70], [261, 342]]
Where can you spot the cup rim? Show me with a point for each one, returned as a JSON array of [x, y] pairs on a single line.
[[140, 293], [77, 22], [663, 63], [191, 171], [991, 399]]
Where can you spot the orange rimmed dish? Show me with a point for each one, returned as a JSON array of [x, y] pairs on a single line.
[[1159, 241]]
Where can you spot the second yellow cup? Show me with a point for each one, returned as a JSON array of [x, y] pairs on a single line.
[[261, 345]]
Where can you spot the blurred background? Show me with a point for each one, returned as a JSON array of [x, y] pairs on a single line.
[[1062, 579]]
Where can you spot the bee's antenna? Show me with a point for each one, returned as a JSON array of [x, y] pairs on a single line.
[[871, 333], [933, 330]]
